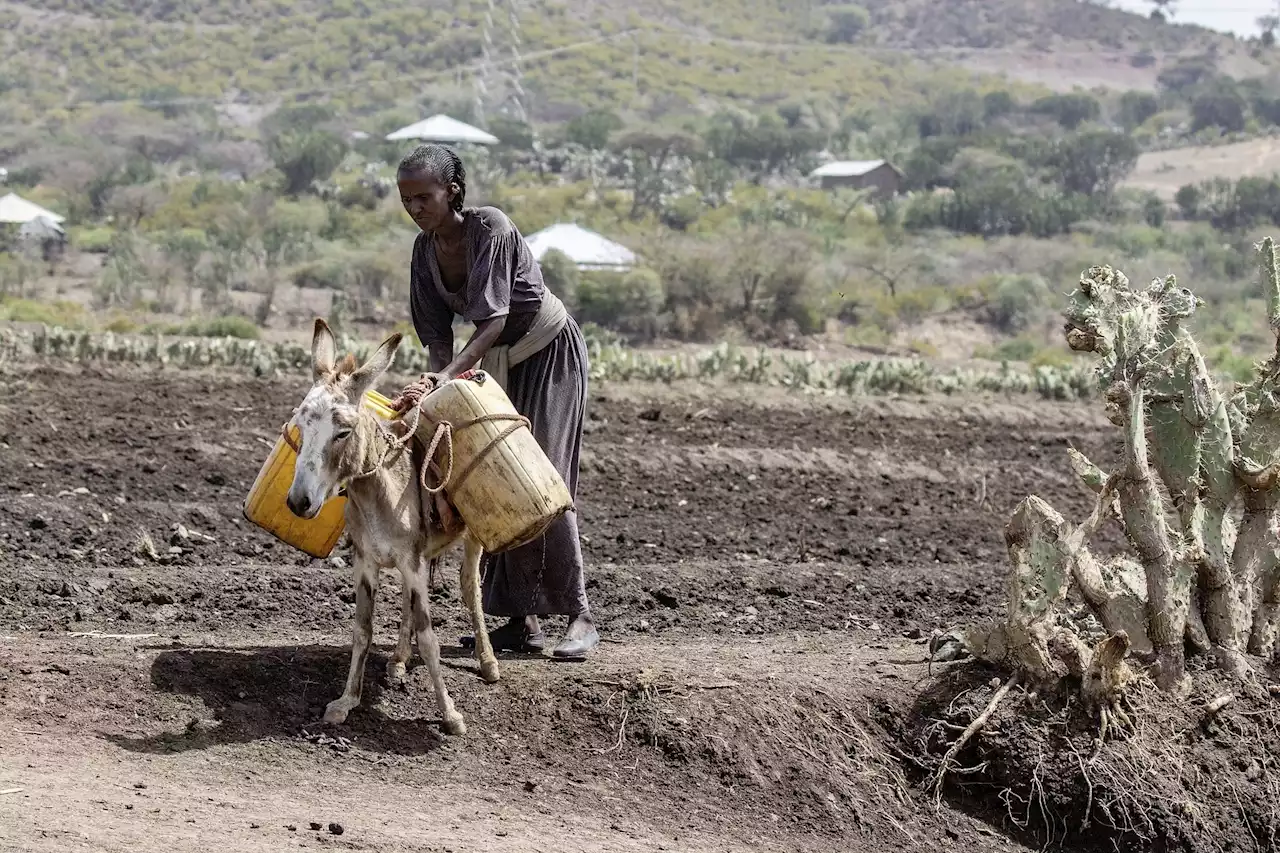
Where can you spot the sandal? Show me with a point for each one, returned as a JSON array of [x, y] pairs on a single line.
[[512, 636]]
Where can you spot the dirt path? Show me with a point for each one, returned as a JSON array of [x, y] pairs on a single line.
[[143, 745], [765, 569]]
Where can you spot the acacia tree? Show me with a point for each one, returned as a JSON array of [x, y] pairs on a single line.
[[657, 161]]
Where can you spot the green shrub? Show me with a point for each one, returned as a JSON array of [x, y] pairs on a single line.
[[846, 23], [560, 274], [69, 315], [91, 239], [232, 326], [630, 302], [1016, 301]]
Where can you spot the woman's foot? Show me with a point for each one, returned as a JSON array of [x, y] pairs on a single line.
[[518, 635], [581, 638]]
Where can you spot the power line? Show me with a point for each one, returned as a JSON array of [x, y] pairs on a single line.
[[407, 80]]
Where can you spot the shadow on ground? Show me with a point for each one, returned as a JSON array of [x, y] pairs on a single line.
[[280, 691]]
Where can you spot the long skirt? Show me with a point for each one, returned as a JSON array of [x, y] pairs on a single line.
[[545, 576]]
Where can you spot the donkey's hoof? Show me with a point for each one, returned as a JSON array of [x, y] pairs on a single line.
[[454, 725], [336, 711], [489, 671], [395, 672]]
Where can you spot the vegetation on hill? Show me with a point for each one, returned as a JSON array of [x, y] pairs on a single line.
[[693, 150], [655, 57]]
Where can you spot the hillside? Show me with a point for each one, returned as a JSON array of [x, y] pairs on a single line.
[[1164, 172], [651, 57]]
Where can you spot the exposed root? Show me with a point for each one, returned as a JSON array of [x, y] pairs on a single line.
[[968, 734], [639, 697], [1217, 705], [1105, 682], [1195, 774]]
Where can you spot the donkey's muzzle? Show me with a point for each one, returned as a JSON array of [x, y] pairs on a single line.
[[299, 506]]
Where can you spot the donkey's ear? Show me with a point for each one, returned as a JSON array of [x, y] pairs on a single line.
[[362, 380], [323, 350]]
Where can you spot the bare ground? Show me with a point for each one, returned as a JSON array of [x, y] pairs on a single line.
[[766, 569], [1165, 172]]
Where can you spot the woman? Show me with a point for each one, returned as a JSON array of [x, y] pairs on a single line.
[[473, 262]]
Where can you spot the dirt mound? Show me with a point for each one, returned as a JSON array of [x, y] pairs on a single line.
[[1184, 778]]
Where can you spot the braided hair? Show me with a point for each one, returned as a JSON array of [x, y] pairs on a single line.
[[441, 162]]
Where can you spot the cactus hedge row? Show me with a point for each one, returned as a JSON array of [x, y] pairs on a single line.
[[610, 361]]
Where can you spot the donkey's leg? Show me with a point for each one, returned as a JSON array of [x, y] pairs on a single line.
[[470, 582], [399, 661], [361, 635], [415, 580]]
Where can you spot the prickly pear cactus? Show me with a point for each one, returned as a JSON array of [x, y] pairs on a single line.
[[1197, 582]]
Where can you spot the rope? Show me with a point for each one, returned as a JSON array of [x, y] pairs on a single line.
[[390, 442], [288, 437], [520, 420], [444, 430]]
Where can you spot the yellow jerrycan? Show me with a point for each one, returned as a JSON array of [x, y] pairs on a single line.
[[265, 504], [499, 478]]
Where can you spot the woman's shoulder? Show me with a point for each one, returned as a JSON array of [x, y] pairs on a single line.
[[493, 221], [421, 243]]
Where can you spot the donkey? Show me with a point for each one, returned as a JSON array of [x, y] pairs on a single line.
[[388, 514]]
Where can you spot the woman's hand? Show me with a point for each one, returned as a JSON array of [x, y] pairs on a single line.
[[412, 394]]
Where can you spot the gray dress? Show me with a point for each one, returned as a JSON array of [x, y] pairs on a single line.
[[544, 577]]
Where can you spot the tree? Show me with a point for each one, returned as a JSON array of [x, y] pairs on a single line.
[[1093, 163], [1188, 199], [653, 157], [846, 23], [1221, 107], [1186, 74], [961, 113], [561, 276], [243, 158], [1162, 10], [1266, 107], [1268, 24], [889, 264], [1070, 110], [1015, 301], [630, 303], [131, 204], [998, 104], [1136, 107], [305, 157], [295, 118], [593, 128], [759, 145]]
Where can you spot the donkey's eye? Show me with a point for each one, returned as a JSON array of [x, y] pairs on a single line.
[[341, 435]]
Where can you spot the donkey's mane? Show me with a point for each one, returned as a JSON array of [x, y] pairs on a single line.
[[346, 366]]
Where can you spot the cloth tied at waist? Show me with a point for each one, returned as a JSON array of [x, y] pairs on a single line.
[[547, 323]]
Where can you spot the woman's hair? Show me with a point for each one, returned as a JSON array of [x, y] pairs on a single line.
[[441, 162]]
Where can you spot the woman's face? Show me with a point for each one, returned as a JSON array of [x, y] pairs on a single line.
[[426, 198]]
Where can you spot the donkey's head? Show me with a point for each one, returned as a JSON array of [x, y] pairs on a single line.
[[333, 437]]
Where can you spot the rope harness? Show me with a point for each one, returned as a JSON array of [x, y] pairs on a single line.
[[444, 433]]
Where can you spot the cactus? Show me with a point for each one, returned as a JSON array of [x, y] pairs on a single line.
[[609, 360], [1198, 583]]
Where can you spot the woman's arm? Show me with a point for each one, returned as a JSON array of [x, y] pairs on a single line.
[[486, 333], [432, 319], [439, 354]]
